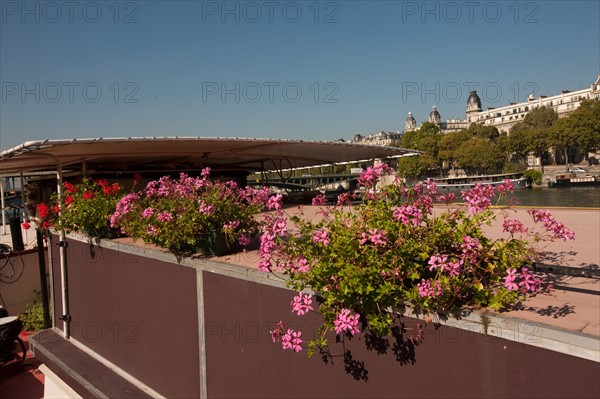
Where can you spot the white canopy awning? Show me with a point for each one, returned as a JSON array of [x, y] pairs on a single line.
[[139, 153]]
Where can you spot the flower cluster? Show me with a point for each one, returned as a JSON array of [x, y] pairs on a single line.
[[513, 226], [87, 207], [408, 214], [553, 226], [289, 338], [344, 321], [426, 289], [43, 220], [393, 249], [524, 280], [301, 304], [191, 214], [479, 197], [370, 176]]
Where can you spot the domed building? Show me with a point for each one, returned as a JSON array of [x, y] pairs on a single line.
[[434, 116], [450, 125], [410, 123], [473, 107]]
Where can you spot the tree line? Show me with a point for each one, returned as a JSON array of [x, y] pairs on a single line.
[[483, 149]]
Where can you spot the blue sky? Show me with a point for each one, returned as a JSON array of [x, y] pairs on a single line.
[[301, 69]]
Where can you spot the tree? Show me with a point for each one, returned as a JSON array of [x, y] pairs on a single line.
[[485, 132], [581, 128], [562, 137], [540, 118], [449, 144], [425, 139], [412, 167], [538, 142], [479, 156], [517, 143], [533, 133]]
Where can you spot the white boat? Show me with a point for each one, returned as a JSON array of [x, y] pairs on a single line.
[[518, 180]]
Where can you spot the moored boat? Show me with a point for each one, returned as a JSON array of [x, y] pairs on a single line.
[[291, 193], [518, 180], [574, 180]]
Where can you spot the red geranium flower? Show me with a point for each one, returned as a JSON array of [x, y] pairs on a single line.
[[69, 187], [26, 225], [43, 210], [89, 195], [69, 199]]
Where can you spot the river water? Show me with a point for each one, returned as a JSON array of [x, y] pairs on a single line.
[[570, 197]]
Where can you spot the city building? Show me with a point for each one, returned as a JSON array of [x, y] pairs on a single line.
[[503, 118], [381, 138]]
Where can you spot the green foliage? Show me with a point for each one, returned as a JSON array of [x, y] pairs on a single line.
[[449, 144], [534, 175], [581, 129], [416, 166], [425, 139], [479, 156], [487, 132], [189, 213], [533, 134], [517, 143], [512, 167], [540, 119], [88, 206], [33, 318], [540, 130], [353, 270]]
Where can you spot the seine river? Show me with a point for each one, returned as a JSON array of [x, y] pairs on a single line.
[[574, 197]]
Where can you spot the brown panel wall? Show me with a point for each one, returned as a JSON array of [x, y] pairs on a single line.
[[137, 312], [243, 362]]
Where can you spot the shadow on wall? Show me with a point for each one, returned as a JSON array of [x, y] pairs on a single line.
[[401, 344]]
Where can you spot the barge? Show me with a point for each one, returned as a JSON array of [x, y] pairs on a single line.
[[574, 180], [519, 180]]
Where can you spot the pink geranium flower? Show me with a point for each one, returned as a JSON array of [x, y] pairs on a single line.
[[301, 304], [291, 340], [321, 236], [344, 321], [509, 280]]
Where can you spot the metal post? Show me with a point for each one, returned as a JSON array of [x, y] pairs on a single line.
[[43, 279], [63, 259], [51, 276], [23, 204], [3, 205]]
